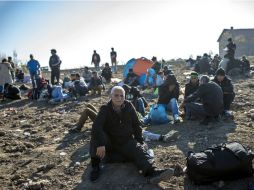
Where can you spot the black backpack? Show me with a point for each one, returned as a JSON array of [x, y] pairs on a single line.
[[224, 162]]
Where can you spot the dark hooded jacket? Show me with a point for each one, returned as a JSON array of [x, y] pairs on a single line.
[[226, 85], [164, 94]]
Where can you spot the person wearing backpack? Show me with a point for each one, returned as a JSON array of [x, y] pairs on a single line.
[[227, 87], [168, 96], [211, 96]]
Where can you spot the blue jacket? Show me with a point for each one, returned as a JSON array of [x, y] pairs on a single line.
[[33, 66]]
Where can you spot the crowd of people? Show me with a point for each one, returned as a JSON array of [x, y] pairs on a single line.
[[207, 64], [117, 129]]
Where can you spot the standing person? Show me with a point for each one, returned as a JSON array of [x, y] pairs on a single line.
[[96, 59], [113, 56], [230, 48], [117, 137], [34, 70], [13, 68], [54, 64], [156, 65], [5, 72]]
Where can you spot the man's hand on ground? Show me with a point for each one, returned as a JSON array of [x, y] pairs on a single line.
[[101, 151]]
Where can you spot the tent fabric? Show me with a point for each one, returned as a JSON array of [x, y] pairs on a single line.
[[129, 65], [140, 67], [142, 79]]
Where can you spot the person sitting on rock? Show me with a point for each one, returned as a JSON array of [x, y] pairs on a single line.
[[107, 73], [168, 96], [211, 96], [131, 79], [117, 137], [227, 87], [11, 92], [96, 84]]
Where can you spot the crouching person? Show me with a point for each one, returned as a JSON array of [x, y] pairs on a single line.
[[227, 88], [117, 137], [211, 97], [96, 84], [11, 92]]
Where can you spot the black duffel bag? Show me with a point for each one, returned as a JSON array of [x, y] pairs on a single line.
[[224, 162]]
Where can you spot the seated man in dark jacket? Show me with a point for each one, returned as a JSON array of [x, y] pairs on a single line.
[[227, 87], [131, 79], [107, 73], [11, 92], [95, 84], [192, 85], [117, 134], [211, 97], [169, 94]]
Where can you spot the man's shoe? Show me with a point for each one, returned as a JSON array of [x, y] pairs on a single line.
[[75, 129], [161, 175], [170, 136], [177, 119], [95, 173]]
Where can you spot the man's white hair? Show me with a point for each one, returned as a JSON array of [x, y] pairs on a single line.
[[117, 88]]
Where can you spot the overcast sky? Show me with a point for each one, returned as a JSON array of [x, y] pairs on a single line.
[[166, 29]]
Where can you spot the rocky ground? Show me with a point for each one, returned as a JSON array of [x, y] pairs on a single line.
[[37, 152]]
